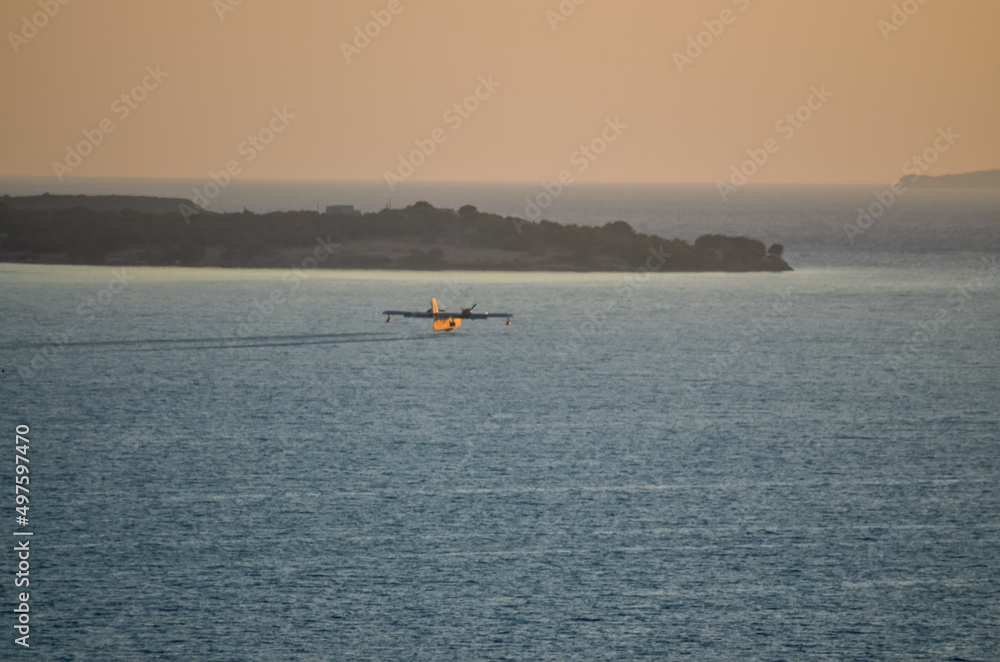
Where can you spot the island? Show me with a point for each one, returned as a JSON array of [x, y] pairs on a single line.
[[141, 203], [123, 231], [981, 179]]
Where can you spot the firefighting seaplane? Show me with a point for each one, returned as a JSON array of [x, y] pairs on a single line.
[[446, 321]]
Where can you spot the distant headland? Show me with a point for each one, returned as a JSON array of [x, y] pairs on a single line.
[[138, 203], [147, 231], [982, 179]]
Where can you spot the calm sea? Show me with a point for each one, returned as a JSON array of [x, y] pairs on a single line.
[[249, 465]]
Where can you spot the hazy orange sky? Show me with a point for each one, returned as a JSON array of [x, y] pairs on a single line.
[[228, 67]]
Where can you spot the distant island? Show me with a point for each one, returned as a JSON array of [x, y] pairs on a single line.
[[146, 231], [982, 179], [139, 203]]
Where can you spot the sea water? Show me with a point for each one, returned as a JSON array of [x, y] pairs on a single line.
[[795, 466]]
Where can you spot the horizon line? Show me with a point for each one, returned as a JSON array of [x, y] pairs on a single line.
[[282, 180]]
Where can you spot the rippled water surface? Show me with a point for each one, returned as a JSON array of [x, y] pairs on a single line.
[[717, 467]]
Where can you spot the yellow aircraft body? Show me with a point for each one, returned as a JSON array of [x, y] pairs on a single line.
[[446, 324]]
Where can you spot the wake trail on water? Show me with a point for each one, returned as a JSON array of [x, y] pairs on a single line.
[[187, 344]]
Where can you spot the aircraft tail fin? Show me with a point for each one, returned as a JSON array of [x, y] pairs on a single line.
[[434, 306]]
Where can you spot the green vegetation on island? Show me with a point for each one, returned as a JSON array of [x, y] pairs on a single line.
[[416, 237]]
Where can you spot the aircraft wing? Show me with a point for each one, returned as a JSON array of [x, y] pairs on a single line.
[[483, 316], [407, 313]]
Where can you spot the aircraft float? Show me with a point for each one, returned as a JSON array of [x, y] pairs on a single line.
[[446, 321]]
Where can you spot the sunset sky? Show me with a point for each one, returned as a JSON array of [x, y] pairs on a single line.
[[554, 87]]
